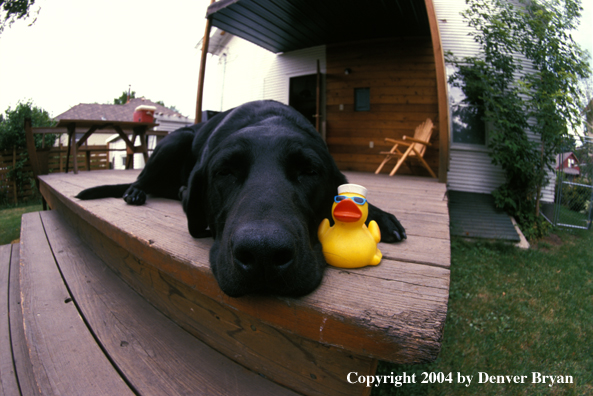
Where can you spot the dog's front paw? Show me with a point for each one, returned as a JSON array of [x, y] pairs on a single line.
[[135, 196], [391, 228]]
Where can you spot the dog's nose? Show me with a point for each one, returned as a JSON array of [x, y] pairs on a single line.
[[263, 247]]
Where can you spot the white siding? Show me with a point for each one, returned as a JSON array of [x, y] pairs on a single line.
[[470, 169], [242, 67], [246, 72], [292, 64]]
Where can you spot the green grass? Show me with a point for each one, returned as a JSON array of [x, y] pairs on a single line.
[[514, 312], [572, 217], [10, 221]]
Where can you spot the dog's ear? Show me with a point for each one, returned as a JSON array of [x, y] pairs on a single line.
[[195, 204]]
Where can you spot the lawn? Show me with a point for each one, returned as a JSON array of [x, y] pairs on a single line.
[[10, 221], [513, 313]]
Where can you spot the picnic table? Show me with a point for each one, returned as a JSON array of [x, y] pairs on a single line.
[[138, 129]]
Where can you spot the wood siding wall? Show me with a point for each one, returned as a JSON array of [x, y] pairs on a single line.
[[402, 80]]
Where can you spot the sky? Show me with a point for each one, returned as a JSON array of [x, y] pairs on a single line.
[[82, 51]]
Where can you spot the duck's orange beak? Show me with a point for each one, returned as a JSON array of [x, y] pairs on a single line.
[[347, 211]]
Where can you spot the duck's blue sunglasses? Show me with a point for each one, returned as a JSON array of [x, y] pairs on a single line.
[[357, 200]]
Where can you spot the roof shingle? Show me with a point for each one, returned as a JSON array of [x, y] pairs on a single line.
[[109, 112]]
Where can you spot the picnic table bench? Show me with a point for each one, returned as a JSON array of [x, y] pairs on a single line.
[[127, 287]]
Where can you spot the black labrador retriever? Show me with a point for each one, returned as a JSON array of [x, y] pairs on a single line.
[[258, 179]]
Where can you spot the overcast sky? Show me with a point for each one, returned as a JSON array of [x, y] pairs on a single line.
[[82, 51]]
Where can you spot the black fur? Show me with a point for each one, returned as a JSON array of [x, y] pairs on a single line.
[[259, 180]]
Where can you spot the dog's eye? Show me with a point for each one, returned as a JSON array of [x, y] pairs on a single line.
[[223, 172], [306, 173]]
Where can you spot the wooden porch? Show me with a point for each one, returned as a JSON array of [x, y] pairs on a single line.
[[168, 329]]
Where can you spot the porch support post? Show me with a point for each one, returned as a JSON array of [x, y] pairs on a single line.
[[443, 97], [205, 44]]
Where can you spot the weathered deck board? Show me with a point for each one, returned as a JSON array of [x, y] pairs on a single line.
[[395, 311], [313, 368], [8, 381], [63, 353], [155, 355], [20, 352]]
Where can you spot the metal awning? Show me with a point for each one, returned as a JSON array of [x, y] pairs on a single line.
[[288, 25]]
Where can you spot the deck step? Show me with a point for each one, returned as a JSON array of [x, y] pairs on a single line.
[[87, 329], [394, 312], [8, 381]]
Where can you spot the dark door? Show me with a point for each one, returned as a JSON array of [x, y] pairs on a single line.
[[303, 96]]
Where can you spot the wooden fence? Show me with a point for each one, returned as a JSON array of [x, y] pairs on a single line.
[[10, 192]]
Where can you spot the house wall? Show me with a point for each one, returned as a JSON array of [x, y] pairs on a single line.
[[242, 67], [402, 79], [400, 74], [247, 72], [470, 167]]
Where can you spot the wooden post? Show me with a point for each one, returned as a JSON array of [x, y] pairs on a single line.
[[60, 156], [30, 140], [318, 100], [443, 97], [88, 156], [72, 146], [16, 197], [202, 75]]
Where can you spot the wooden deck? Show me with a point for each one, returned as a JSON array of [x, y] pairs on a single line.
[[395, 311]]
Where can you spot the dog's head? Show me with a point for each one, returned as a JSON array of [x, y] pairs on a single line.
[[263, 183]]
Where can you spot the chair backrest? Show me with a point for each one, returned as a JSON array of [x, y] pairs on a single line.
[[423, 132]]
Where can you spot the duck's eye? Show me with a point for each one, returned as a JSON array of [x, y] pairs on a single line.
[[359, 200]]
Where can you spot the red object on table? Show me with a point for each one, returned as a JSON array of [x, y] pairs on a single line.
[[144, 113]]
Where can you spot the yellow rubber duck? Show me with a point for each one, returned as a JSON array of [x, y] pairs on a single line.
[[349, 243]]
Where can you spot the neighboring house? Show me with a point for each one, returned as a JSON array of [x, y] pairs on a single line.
[[382, 73], [168, 120], [569, 164]]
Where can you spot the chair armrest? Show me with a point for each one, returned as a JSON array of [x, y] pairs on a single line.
[[417, 141], [397, 142]]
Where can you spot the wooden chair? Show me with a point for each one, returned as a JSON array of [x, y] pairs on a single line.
[[416, 147]]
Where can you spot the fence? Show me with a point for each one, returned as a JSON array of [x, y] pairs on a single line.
[[573, 206], [19, 186]]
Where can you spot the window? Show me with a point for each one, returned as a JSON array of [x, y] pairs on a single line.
[[362, 99], [467, 120], [467, 125]]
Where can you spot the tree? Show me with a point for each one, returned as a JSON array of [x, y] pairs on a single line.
[[12, 132], [123, 99], [11, 10], [12, 135], [544, 99]]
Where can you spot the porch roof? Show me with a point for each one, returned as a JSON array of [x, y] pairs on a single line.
[[296, 24]]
